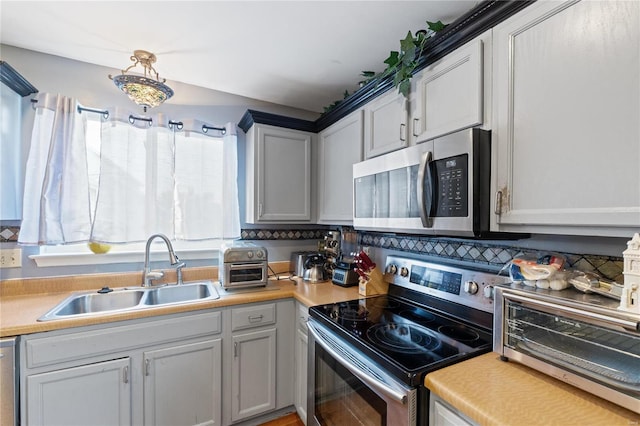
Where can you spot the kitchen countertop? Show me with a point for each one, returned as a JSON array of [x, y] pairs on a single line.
[[493, 392], [22, 302]]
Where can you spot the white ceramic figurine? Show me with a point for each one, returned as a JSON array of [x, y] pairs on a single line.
[[630, 300]]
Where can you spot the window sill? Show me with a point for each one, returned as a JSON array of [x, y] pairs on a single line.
[[77, 259]]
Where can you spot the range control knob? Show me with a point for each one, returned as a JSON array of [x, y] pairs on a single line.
[[260, 254], [392, 269], [404, 272], [471, 287], [250, 254], [488, 292]]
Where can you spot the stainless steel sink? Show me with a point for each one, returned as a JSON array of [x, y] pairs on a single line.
[[123, 300], [179, 293], [95, 302]]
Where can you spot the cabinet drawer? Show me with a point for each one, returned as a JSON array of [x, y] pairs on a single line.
[[253, 316], [41, 351]]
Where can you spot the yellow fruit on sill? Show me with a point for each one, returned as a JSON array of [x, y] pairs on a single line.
[[98, 248]]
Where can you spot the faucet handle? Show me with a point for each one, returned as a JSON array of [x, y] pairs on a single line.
[[179, 267], [153, 275]]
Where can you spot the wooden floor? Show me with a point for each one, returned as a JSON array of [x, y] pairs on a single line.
[[287, 420]]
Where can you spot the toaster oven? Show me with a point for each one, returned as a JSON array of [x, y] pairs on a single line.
[[244, 265], [581, 339]]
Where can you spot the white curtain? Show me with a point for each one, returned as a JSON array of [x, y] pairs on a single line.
[[206, 183], [181, 182], [56, 206]]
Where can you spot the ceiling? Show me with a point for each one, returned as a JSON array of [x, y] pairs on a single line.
[[302, 54]]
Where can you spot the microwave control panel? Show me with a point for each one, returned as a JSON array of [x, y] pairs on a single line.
[[451, 180]]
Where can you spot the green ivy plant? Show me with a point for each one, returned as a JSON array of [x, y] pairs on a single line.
[[401, 64]]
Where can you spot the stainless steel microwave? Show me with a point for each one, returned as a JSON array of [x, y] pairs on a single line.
[[438, 187]]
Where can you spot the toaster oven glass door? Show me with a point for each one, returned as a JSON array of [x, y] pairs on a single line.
[[590, 349], [245, 274]]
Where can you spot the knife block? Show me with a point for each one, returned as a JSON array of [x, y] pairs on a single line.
[[374, 285]]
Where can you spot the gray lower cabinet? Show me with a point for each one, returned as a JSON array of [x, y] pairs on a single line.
[[443, 414], [259, 365], [158, 371], [253, 383], [301, 351], [83, 395], [182, 384]]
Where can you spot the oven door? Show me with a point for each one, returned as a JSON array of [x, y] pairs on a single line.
[[346, 388]]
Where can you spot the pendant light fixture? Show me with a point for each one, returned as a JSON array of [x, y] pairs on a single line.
[[146, 90]]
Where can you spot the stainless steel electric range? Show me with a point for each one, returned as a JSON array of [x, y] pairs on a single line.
[[368, 357]]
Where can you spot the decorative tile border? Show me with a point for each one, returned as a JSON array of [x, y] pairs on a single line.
[[283, 234], [473, 251], [9, 234], [484, 253]]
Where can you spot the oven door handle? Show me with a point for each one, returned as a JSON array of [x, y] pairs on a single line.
[[606, 319], [397, 395]]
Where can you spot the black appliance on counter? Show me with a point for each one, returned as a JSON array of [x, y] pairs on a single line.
[[368, 357], [344, 274]]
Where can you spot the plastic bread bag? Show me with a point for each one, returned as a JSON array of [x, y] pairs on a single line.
[[590, 282], [544, 271]]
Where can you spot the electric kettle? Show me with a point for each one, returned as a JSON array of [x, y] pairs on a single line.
[[314, 269]]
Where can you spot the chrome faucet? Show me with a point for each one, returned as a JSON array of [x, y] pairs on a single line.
[[148, 275]]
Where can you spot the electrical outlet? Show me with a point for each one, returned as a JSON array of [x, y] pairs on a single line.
[[10, 258]]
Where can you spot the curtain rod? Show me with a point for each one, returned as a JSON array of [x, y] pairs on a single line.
[[132, 119], [206, 128]]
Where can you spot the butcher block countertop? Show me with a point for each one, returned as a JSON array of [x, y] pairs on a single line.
[[23, 301], [493, 392]]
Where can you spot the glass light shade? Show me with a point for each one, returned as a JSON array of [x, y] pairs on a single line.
[[143, 91]]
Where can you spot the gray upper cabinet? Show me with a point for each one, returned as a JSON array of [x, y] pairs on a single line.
[[278, 172], [448, 95], [385, 124], [339, 147], [566, 112]]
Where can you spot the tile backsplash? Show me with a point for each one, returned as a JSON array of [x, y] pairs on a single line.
[[473, 251], [486, 253]]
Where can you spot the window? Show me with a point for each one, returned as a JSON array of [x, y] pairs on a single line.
[[142, 179], [11, 158]]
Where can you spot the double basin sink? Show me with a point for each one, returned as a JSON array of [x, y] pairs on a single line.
[[130, 299]]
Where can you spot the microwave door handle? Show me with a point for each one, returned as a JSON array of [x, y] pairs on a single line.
[[425, 189]]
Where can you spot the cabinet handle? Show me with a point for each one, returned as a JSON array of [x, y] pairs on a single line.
[[402, 132], [255, 319], [498, 207], [259, 209], [235, 349], [415, 126], [125, 374], [147, 366]]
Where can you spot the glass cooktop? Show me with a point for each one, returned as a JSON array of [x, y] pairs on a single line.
[[407, 336]]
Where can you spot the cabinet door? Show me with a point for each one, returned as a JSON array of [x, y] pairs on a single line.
[[385, 124], [182, 385], [449, 94], [94, 394], [442, 414], [278, 175], [339, 148], [301, 347], [567, 119], [253, 382]]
